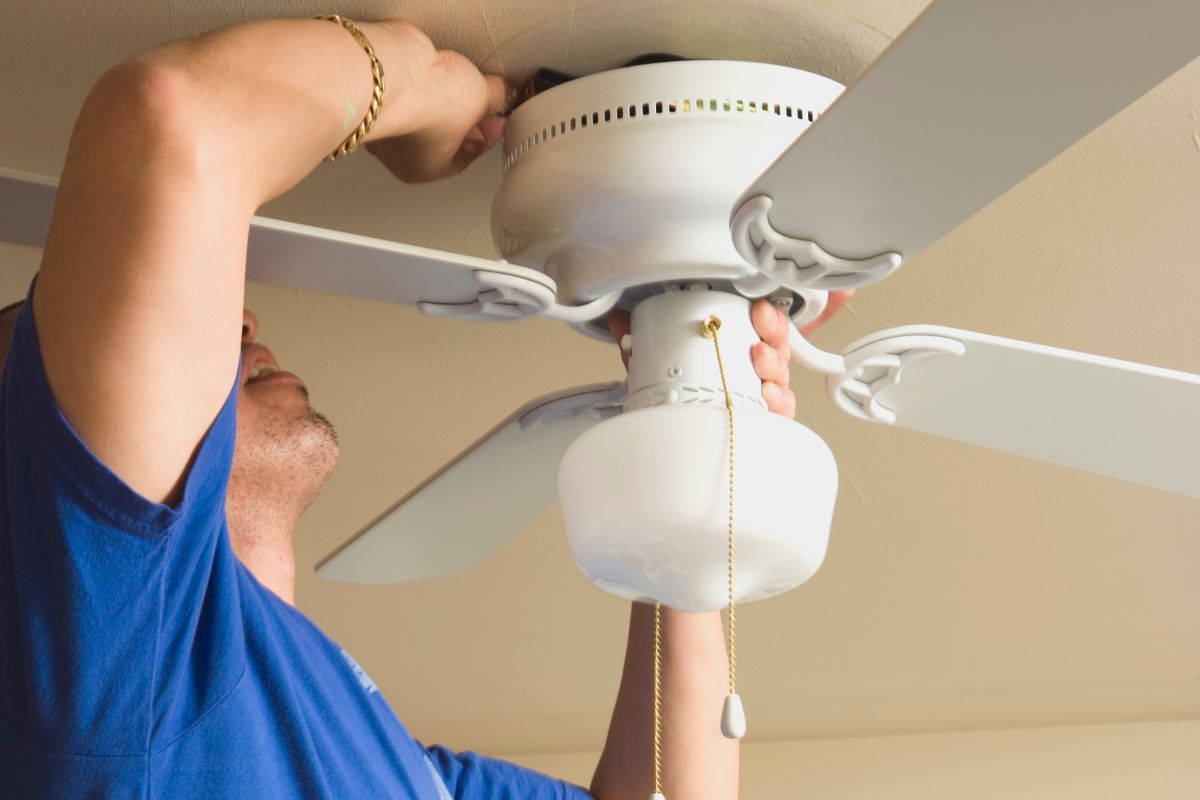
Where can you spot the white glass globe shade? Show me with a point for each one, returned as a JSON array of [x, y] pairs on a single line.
[[645, 500]]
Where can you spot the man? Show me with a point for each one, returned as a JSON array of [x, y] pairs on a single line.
[[148, 645]]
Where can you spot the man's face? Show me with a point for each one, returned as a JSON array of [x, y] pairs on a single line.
[[284, 447]]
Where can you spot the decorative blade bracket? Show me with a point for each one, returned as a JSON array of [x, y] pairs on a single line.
[[503, 296], [855, 379], [796, 263], [878, 365]]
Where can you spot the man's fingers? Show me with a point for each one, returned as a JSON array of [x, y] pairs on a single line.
[[473, 146], [492, 129], [769, 323], [470, 150], [772, 356], [780, 399], [772, 325], [501, 94], [618, 323], [478, 141], [618, 326], [788, 407], [768, 363]]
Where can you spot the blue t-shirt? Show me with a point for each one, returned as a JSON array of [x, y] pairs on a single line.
[[140, 658]]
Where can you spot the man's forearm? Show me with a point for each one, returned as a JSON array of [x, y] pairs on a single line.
[[272, 98], [697, 760]]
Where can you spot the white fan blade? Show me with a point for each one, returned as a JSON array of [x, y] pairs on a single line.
[[1128, 421], [971, 98], [481, 499], [306, 257]]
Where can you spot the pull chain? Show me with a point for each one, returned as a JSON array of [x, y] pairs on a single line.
[[733, 716], [658, 795]]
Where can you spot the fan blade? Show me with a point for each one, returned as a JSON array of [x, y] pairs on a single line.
[[1128, 421], [306, 257], [485, 496], [971, 98]]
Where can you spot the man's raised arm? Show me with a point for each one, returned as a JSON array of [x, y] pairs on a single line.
[[139, 299], [698, 762]]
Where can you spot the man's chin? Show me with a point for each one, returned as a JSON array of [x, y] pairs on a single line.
[[322, 421]]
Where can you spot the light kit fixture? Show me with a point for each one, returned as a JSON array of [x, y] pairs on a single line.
[[645, 494]]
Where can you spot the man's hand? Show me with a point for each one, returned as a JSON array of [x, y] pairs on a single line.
[[771, 356], [455, 111]]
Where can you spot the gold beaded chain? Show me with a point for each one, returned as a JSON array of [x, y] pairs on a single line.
[[658, 698], [709, 329], [378, 86]]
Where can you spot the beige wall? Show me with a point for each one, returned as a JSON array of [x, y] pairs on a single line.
[[1133, 761]]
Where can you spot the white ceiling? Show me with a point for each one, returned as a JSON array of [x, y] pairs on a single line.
[[963, 588]]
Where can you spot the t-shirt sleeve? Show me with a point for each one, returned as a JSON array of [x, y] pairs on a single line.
[[118, 615], [470, 776]]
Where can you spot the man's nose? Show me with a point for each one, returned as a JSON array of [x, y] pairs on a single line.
[[249, 326]]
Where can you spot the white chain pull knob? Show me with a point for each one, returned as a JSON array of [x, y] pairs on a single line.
[[733, 718]]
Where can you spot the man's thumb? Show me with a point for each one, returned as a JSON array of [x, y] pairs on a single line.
[[502, 95]]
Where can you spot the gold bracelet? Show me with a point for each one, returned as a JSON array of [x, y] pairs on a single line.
[[368, 121]]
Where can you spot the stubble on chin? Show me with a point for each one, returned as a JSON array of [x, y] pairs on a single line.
[[287, 459], [322, 421]]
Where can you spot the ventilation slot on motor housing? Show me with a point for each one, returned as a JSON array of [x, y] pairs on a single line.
[[652, 109]]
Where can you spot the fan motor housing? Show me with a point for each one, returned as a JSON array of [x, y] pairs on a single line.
[[628, 178]]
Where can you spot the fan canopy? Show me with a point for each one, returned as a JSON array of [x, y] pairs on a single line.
[[627, 178]]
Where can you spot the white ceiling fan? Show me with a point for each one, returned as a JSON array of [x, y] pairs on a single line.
[[682, 190]]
